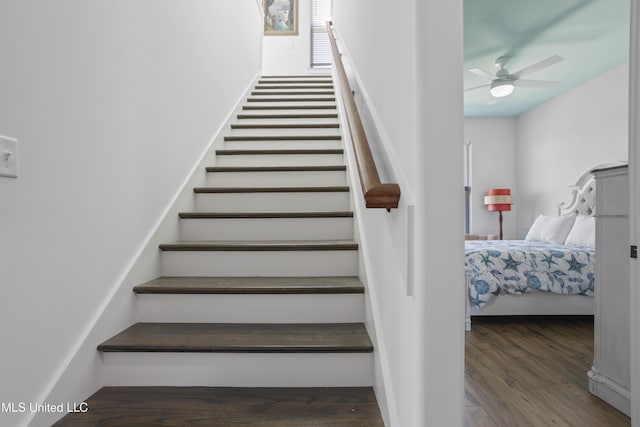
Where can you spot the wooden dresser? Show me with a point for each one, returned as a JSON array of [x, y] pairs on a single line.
[[609, 377]]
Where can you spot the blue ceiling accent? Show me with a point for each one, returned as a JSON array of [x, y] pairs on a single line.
[[591, 35]]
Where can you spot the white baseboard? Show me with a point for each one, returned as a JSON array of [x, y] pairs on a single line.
[[610, 391]]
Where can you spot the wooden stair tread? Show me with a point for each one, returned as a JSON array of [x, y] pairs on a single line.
[[226, 406], [297, 76], [282, 137], [227, 190], [241, 337], [267, 214], [294, 81], [290, 107], [311, 168], [228, 152], [289, 116], [261, 245], [268, 91], [313, 85], [285, 125], [251, 285], [288, 99]]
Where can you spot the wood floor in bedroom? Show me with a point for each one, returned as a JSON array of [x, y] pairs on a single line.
[[532, 372]]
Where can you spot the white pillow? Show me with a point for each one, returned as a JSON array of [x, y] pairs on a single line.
[[551, 228], [583, 232]]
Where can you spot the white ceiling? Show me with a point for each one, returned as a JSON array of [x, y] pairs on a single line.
[[591, 35]]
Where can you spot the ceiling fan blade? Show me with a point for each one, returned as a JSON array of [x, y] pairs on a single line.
[[482, 73], [539, 66], [477, 87], [536, 83]]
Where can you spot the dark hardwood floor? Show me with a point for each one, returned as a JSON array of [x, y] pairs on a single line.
[[228, 407], [532, 372]]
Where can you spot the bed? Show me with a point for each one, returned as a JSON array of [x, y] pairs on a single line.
[[551, 272]]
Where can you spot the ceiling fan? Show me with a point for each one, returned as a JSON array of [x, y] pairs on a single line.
[[503, 82]]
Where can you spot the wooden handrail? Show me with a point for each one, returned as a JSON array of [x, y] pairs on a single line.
[[376, 194]]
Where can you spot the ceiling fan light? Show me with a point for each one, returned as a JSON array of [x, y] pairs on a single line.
[[501, 89]]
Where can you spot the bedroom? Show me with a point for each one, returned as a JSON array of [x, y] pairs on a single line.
[[539, 141]]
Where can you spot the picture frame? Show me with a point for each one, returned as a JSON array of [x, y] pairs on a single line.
[[280, 17]]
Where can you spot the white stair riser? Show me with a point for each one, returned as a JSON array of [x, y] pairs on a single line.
[[277, 179], [256, 202], [282, 144], [284, 87], [291, 111], [315, 132], [250, 308], [287, 121], [314, 78], [286, 105], [279, 160], [297, 86], [296, 98], [192, 229], [311, 78], [268, 89], [260, 263], [238, 369]]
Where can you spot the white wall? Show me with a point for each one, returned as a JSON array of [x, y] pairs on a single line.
[[113, 104], [418, 336], [634, 213], [384, 63], [563, 138], [289, 54], [493, 159]]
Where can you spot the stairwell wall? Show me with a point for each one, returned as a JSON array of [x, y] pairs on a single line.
[[113, 104], [290, 54], [413, 256]]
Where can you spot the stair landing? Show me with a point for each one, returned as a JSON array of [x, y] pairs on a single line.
[[227, 407]]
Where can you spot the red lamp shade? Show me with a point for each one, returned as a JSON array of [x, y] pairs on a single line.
[[499, 199]]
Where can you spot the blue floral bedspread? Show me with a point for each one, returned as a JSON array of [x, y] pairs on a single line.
[[517, 266]]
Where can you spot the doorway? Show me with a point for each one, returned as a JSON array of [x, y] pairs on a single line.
[[527, 204]]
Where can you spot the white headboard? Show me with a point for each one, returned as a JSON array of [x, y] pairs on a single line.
[[583, 197], [583, 194]]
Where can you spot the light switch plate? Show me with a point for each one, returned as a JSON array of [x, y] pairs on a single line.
[[8, 157]]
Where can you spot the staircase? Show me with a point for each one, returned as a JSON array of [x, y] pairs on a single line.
[[257, 318]]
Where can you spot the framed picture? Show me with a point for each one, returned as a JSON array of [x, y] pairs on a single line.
[[280, 17]]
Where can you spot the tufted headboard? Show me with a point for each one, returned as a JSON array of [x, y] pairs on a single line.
[[583, 194], [583, 197]]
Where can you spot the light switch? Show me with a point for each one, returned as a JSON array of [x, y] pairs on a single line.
[[8, 157]]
